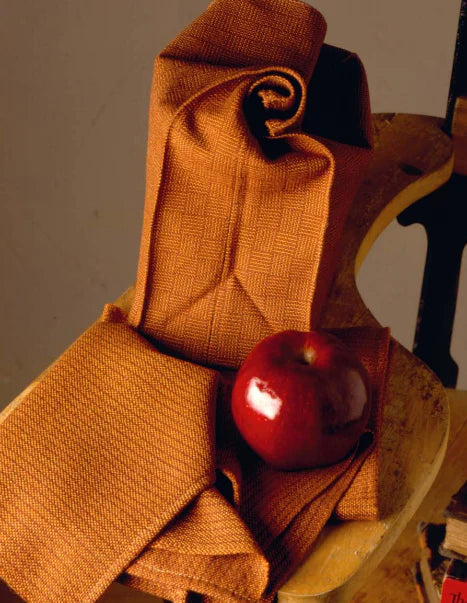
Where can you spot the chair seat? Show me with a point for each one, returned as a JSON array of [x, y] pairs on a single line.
[[413, 157]]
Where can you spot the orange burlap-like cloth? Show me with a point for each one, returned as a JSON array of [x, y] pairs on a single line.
[[258, 138], [242, 538], [123, 462]]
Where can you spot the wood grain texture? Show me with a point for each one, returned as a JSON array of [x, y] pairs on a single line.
[[413, 157], [392, 581]]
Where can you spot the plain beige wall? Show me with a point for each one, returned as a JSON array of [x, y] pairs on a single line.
[[73, 118]]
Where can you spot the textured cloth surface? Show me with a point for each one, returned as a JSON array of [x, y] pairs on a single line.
[[123, 461], [246, 547], [97, 459], [253, 160]]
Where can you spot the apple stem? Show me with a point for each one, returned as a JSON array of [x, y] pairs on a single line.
[[309, 355]]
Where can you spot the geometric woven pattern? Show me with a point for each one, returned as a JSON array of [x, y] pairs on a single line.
[[246, 198]]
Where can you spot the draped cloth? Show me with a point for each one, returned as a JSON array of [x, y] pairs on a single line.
[[123, 461], [258, 137]]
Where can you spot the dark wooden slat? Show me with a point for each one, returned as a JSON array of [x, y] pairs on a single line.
[[444, 216]]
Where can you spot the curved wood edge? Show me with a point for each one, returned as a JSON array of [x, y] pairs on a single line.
[[413, 157], [392, 581], [347, 553], [459, 135], [420, 187]]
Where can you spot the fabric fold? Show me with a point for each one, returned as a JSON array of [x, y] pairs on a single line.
[[246, 553], [123, 461], [98, 459], [237, 239]]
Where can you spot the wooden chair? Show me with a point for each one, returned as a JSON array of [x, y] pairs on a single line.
[[413, 158]]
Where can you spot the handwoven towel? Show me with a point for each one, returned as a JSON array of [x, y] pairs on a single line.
[[123, 461], [245, 547], [258, 139], [97, 459], [259, 135]]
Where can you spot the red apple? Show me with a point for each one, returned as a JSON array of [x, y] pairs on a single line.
[[301, 399]]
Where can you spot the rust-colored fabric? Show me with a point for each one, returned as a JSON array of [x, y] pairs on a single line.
[[362, 499], [97, 459], [246, 547], [123, 461], [254, 156]]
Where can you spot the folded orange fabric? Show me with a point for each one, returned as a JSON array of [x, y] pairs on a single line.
[[123, 461], [245, 547], [259, 135], [258, 139], [97, 459], [103, 456]]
